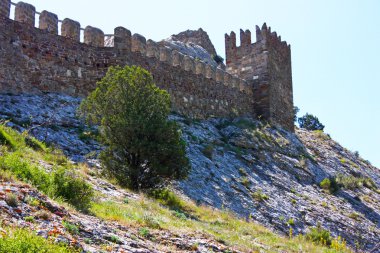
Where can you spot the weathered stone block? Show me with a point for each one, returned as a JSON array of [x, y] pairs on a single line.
[[188, 63], [235, 82], [219, 75], [25, 13], [200, 68], [70, 29], [49, 22], [227, 79], [123, 38], [5, 8], [138, 43], [176, 58], [93, 36], [165, 55], [210, 72], [152, 49], [242, 85]]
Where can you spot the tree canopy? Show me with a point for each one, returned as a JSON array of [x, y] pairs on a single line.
[[310, 122], [143, 148]]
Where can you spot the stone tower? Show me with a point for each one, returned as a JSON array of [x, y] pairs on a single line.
[[266, 65]]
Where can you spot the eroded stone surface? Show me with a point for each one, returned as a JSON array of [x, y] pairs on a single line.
[[247, 158]]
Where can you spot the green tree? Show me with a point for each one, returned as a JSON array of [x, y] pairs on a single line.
[[143, 148], [296, 110], [310, 122]]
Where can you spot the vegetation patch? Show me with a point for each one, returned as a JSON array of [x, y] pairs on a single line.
[[208, 151], [319, 235], [351, 182], [329, 185], [62, 181], [22, 240], [260, 196]]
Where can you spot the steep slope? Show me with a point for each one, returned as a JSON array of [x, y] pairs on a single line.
[[273, 176], [261, 173], [117, 220]]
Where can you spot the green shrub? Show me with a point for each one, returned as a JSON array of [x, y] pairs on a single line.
[[290, 222], [319, 235], [260, 196], [71, 228], [325, 184], [20, 240], [115, 239], [59, 183], [354, 216], [34, 143], [296, 110], [179, 215], [29, 219], [143, 148], [208, 151], [32, 201], [351, 182], [245, 181], [217, 58], [72, 188], [321, 135], [7, 139], [151, 221], [310, 122], [144, 232], [243, 172], [168, 198], [329, 184], [11, 199]]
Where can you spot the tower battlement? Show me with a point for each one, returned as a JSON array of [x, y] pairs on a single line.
[[266, 66]]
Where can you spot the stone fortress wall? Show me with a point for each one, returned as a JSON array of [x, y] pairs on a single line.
[[35, 60]]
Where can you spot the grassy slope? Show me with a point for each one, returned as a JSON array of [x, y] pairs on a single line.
[[27, 159]]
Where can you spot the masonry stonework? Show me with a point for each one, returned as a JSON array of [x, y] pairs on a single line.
[[5, 7], [266, 65], [34, 60], [49, 22], [25, 13]]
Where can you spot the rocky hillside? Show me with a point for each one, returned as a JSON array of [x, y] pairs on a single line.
[[196, 44], [287, 182]]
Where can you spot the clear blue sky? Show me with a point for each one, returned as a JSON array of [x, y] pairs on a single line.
[[335, 49]]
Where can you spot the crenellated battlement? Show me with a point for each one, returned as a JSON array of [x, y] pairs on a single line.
[[44, 60], [266, 66]]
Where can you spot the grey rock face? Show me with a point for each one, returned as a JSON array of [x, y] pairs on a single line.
[[50, 118], [272, 176], [260, 173], [196, 44]]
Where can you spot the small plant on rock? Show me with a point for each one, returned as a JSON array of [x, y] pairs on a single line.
[[329, 184], [260, 196], [29, 219], [245, 181], [43, 215], [70, 227], [208, 151], [290, 222], [144, 232], [11, 199], [115, 239], [319, 235]]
